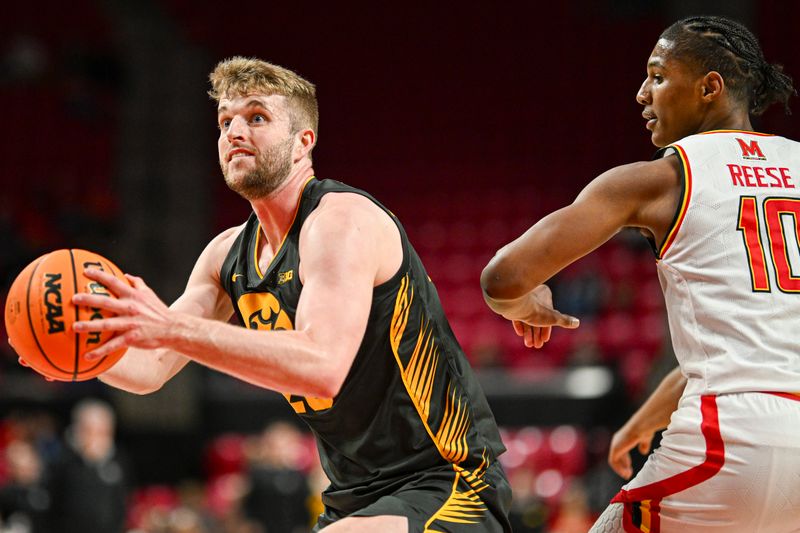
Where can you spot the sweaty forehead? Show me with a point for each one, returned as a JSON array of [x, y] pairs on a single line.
[[661, 53]]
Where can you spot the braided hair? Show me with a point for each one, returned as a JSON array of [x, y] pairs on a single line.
[[728, 47]]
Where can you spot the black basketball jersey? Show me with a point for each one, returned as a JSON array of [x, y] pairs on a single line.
[[410, 402]]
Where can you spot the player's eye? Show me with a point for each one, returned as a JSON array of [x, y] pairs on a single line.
[[258, 119], [224, 124]]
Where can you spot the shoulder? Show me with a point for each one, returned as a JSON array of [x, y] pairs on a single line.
[[642, 194], [220, 245], [639, 180], [346, 210], [215, 252], [225, 239], [351, 225], [335, 201]]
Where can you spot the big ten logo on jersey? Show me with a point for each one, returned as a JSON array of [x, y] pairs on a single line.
[[261, 310]]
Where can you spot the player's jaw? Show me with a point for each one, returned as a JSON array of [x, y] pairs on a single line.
[[672, 111], [658, 136], [672, 116], [256, 174], [663, 130]]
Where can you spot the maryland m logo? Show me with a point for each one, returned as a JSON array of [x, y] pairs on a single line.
[[751, 150]]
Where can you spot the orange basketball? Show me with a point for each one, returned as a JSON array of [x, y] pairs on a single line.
[[40, 314]]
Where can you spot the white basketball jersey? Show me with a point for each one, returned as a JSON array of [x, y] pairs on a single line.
[[730, 266]]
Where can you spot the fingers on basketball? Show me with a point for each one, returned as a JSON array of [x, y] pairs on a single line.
[[39, 314]]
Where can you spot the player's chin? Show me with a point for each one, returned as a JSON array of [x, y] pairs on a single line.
[[658, 139], [234, 178], [661, 137]]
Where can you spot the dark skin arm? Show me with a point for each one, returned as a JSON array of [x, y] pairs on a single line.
[[652, 416], [640, 195]]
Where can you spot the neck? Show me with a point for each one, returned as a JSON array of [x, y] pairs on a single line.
[[276, 212], [727, 119]]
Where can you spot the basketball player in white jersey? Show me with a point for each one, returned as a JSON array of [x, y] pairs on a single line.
[[721, 205]]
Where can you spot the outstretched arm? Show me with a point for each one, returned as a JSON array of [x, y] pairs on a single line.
[[642, 195], [143, 371], [341, 245], [652, 416]]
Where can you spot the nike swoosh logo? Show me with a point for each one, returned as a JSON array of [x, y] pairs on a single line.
[[233, 278]]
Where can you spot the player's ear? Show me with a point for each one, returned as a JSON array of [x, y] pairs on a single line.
[[307, 139], [712, 86]]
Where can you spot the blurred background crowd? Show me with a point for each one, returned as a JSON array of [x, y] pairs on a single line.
[[468, 122]]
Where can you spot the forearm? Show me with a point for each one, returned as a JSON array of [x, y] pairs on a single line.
[[656, 411], [517, 308], [285, 361], [144, 371]]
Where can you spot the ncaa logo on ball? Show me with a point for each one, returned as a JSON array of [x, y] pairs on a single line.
[[52, 300]]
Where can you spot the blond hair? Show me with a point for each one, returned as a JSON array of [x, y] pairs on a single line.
[[239, 76]]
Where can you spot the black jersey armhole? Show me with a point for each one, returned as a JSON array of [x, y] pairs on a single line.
[[230, 263], [661, 154], [322, 187]]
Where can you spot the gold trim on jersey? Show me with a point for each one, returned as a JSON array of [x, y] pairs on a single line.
[[462, 507], [452, 434], [402, 306], [419, 373], [419, 376], [687, 196], [738, 131], [283, 239], [474, 478]]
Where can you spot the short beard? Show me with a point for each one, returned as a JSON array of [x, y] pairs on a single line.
[[272, 168]]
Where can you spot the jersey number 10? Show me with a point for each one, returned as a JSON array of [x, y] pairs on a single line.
[[780, 244]]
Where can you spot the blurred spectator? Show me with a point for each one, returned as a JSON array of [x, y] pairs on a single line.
[[89, 483], [23, 500], [528, 512], [574, 515], [278, 493]]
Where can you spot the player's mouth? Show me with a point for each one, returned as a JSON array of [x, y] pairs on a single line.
[[651, 119], [238, 153]]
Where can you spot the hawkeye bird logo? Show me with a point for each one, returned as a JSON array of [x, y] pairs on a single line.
[[263, 311]]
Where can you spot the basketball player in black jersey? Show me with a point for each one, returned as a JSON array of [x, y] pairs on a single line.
[[339, 316]]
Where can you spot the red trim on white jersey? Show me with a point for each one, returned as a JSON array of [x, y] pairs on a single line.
[[648, 497]]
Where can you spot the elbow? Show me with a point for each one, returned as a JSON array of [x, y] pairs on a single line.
[[328, 390], [499, 279], [144, 390], [328, 380], [138, 388], [331, 384]]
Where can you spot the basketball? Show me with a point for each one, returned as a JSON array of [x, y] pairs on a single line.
[[39, 315]]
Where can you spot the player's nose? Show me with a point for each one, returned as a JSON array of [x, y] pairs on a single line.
[[237, 128], [643, 94]]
